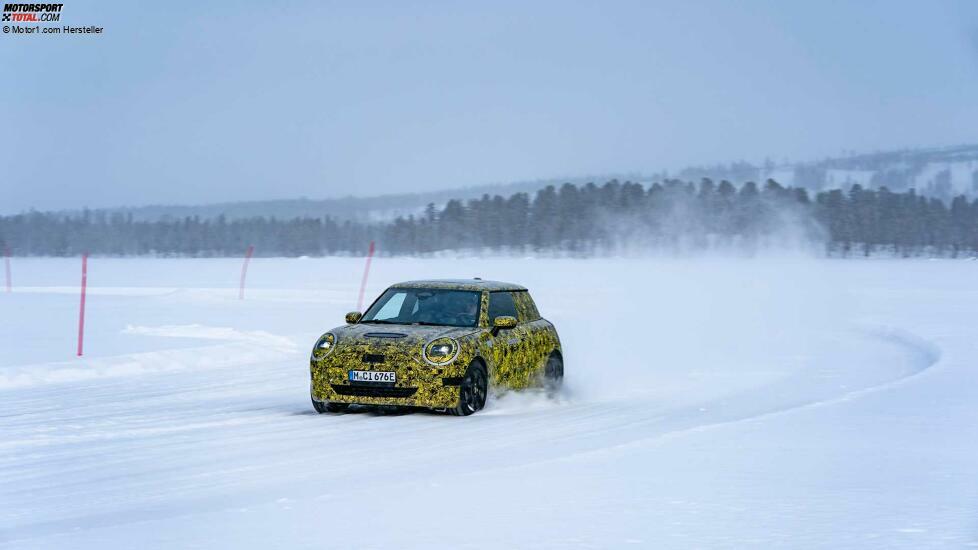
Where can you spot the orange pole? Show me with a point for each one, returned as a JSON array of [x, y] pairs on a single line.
[[81, 308], [244, 270]]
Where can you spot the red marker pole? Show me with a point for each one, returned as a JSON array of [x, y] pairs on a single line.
[[366, 271], [81, 309], [244, 270], [6, 266]]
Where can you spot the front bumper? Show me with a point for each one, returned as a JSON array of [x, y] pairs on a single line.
[[416, 386]]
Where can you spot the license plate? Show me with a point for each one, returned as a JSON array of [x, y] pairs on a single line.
[[372, 376]]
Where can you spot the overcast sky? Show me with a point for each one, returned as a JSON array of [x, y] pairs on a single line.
[[204, 102]]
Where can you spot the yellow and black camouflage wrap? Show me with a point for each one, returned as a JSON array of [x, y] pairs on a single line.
[[514, 358]]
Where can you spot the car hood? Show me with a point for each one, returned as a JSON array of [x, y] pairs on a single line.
[[395, 335]]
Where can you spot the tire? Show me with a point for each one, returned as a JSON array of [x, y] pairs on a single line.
[[473, 392], [553, 374], [325, 407]]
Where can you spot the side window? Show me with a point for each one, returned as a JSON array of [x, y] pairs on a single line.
[[526, 307], [392, 309], [500, 304]]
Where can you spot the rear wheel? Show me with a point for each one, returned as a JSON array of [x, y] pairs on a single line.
[[553, 374], [473, 391], [325, 407]]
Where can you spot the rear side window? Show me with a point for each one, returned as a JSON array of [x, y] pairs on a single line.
[[527, 309], [501, 304]]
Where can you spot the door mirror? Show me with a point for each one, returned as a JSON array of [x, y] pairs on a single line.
[[353, 317], [504, 321]]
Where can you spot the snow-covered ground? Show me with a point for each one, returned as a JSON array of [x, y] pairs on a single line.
[[708, 404]]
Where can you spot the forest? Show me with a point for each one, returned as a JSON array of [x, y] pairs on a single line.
[[671, 216]]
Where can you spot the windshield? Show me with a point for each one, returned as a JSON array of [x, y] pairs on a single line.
[[425, 306]]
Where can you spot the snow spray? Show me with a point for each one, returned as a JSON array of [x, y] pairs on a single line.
[[366, 271], [244, 270], [81, 307]]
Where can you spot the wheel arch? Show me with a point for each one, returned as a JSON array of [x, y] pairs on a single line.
[[480, 360]]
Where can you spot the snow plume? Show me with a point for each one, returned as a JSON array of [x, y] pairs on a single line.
[[684, 219]]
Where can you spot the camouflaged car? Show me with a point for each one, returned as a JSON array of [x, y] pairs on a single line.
[[439, 344]]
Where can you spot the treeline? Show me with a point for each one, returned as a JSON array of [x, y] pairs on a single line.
[[578, 220]]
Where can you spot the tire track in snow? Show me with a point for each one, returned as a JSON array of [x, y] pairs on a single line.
[[926, 353]]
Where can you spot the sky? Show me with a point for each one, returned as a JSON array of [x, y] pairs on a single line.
[[219, 101]]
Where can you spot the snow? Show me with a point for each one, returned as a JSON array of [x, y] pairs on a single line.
[[708, 403]]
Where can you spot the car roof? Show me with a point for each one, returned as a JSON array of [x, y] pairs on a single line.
[[459, 284]]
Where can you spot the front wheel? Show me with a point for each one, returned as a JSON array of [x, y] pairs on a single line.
[[473, 391]]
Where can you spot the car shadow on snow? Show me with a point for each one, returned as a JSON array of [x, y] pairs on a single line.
[[372, 410], [509, 401]]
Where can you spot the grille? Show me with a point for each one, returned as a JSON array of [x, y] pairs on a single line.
[[373, 358], [373, 391]]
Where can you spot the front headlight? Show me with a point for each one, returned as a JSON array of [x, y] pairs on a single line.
[[441, 351], [323, 346]]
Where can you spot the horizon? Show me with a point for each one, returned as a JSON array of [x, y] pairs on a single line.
[[506, 188]]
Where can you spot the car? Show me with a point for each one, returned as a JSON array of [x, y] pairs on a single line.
[[436, 344]]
